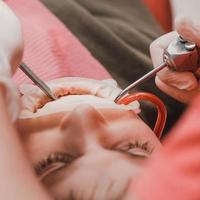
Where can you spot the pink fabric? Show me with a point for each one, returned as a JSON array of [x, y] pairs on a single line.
[[51, 50]]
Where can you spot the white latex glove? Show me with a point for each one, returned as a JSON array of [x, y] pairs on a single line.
[[182, 86], [11, 48]]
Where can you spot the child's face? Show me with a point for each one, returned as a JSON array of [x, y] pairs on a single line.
[[90, 150]]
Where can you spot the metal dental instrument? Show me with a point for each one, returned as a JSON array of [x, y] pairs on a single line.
[[43, 86], [180, 55]]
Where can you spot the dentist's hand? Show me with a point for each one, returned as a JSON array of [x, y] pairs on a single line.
[[11, 48], [182, 86]]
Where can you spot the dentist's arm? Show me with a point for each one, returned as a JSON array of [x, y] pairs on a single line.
[[11, 48], [17, 177], [11, 42]]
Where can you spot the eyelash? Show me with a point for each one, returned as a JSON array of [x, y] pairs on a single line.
[[137, 144], [53, 158], [64, 158]]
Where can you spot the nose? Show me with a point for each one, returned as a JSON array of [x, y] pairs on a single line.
[[82, 123]]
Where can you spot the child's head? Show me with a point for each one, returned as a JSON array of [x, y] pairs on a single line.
[[83, 145]]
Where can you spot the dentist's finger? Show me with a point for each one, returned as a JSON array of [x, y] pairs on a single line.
[[180, 95], [157, 47], [188, 29], [180, 80]]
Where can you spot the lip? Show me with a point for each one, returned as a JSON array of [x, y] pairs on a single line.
[[68, 103], [33, 98]]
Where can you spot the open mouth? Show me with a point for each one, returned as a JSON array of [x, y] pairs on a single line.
[[59, 93], [33, 101], [70, 94]]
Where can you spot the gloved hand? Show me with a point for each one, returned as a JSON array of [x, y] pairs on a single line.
[[182, 86], [11, 47]]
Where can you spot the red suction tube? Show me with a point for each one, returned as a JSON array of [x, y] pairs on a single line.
[[161, 109]]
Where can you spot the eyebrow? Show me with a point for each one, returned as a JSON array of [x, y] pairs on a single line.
[[58, 175]]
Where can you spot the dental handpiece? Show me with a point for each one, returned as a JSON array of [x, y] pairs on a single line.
[[180, 56], [41, 84]]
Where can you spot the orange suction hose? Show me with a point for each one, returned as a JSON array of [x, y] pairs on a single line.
[[162, 112]]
